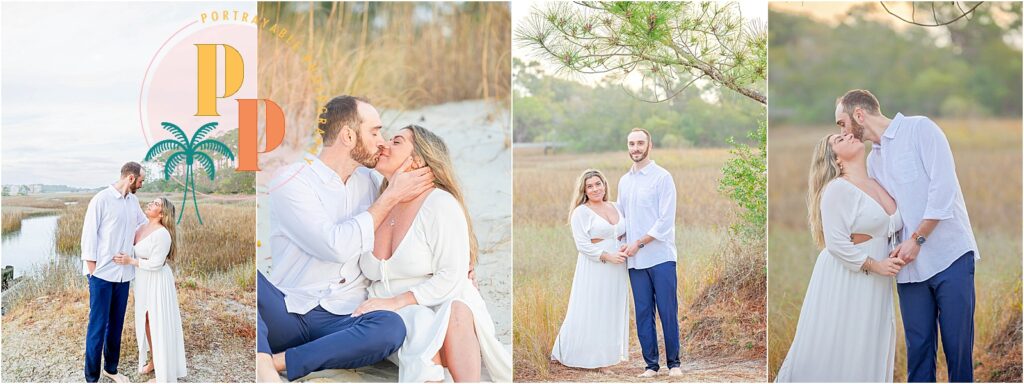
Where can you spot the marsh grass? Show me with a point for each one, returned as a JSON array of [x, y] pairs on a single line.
[[219, 252], [720, 315], [988, 158], [399, 55]]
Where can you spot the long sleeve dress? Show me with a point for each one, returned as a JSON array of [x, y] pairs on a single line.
[[595, 332], [155, 294], [847, 326], [432, 262]]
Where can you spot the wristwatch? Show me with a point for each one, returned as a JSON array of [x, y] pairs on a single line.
[[919, 239], [640, 245]]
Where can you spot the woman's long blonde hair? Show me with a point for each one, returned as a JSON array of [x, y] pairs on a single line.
[[433, 153], [824, 169], [580, 194], [167, 220]]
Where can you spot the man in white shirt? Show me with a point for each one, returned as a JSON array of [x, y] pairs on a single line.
[[108, 229], [647, 196], [912, 159], [324, 211]]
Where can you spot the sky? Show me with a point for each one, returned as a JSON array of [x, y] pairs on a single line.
[[71, 75]]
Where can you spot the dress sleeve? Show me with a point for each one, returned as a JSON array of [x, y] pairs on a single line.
[[580, 222], [158, 251], [837, 215], [446, 233]]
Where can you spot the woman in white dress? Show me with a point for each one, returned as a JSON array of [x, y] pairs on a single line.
[[157, 317], [847, 326], [595, 332], [420, 268]]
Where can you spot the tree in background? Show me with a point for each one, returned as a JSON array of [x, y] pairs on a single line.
[[958, 70], [668, 46]]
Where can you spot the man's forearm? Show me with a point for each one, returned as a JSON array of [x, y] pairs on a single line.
[[92, 266], [926, 227], [646, 239], [380, 209]]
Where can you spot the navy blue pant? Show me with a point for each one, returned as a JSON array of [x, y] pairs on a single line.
[[107, 303], [944, 303], [319, 339], [655, 288]]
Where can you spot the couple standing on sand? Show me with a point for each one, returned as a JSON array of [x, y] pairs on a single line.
[[367, 269], [633, 238]]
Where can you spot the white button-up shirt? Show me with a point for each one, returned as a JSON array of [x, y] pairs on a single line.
[[108, 228], [647, 198], [319, 226], [915, 165]]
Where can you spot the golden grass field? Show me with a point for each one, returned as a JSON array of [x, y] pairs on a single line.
[[214, 271], [988, 160], [724, 322], [462, 53]]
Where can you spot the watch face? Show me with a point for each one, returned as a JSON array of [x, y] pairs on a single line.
[[920, 240]]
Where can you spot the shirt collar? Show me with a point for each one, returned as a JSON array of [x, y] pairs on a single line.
[[894, 126], [325, 173], [644, 170], [116, 193]]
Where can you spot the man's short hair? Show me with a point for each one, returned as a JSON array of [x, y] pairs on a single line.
[[337, 113], [644, 131], [131, 168], [859, 98]]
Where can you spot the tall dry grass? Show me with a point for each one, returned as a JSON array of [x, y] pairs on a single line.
[[219, 252], [988, 158], [12, 221], [400, 55], [721, 281]]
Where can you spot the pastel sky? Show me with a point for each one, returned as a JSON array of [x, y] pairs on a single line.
[[71, 74]]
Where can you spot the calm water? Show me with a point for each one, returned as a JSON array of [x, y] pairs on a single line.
[[31, 247]]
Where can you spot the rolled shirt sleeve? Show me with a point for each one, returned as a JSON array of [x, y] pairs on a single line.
[[937, 158], [837, 215], [90, 231], [666, 222], [300, 215]]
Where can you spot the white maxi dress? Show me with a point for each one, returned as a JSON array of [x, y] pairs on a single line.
[[432, 262], [155, 293], [847, 326], [595, 332]]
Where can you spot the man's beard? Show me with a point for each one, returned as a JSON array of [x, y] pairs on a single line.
[[361, 155], [642, 155], [856, 129]]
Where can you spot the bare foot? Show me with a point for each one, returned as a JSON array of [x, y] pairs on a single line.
[[147, 369]]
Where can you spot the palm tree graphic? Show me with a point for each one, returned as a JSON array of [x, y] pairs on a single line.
[[189, 151]]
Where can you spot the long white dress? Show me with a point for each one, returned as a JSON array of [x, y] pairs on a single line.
[[155, 294], [432, 262], [595, 332], [847, 326]]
